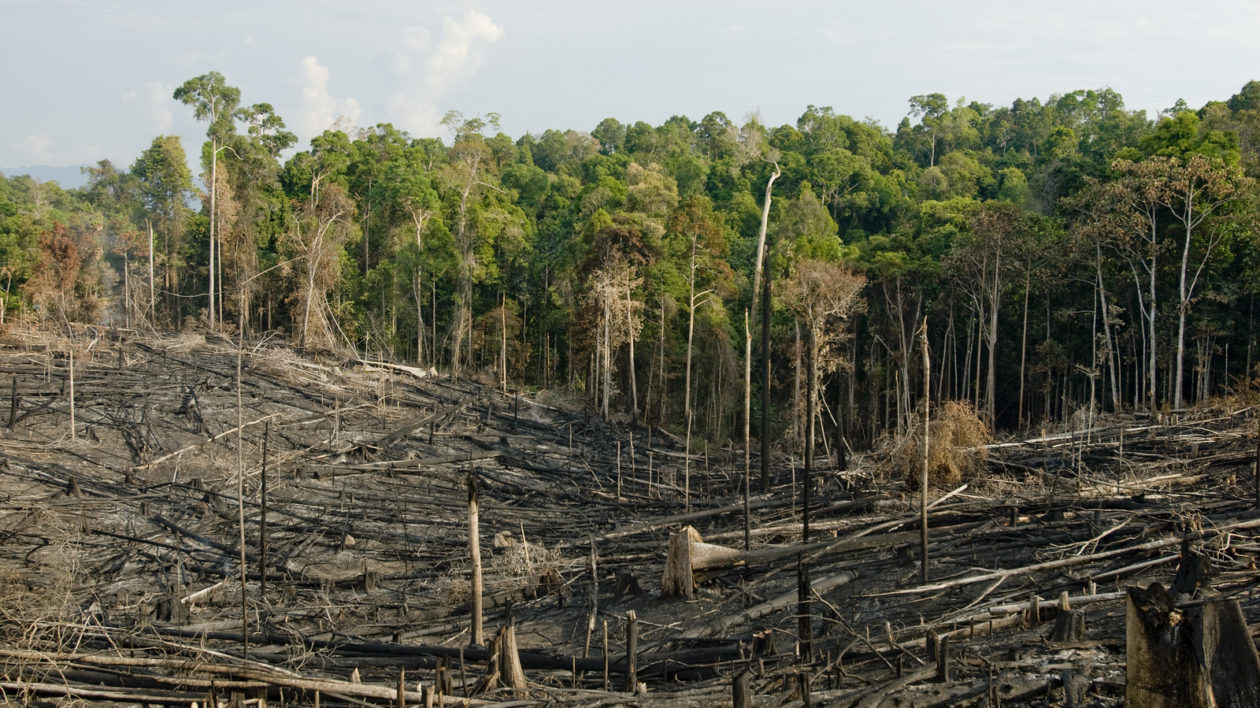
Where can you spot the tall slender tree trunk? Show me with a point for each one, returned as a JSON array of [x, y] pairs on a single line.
[[1150, 320], [126, 292], [1023, 343], [503, 341], [1183, 309], [765, 385], [607, 356], [1111, 349], [661, 387], [419, 295], [691, 329], [758, 266], [634, 386], [747, 402], [152, 296], [990, 392], [214, 188]]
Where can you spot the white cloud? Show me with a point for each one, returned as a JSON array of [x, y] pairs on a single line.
[[460, 51], [320, 110], [417, 115], [416, 38], [129, 96], [457, 54], [35, 147], [161, 106]]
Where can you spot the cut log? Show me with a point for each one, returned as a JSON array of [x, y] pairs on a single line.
[[688, 553]]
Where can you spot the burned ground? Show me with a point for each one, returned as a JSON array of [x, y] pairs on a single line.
[[120, 569]]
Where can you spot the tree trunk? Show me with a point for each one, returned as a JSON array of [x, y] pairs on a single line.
[[1023, 343], [415, 289], [1183, 308], [634, 386], [503, 341], [152, 296], [765, 386], [923, 474], [474, 552], [1111, 350], [995, 294], [691, 329], [214, 184]]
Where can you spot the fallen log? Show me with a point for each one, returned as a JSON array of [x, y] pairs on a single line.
[[779, 602], [1067, 562]]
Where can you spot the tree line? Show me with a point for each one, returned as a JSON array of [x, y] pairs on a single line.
[[1057, 257]]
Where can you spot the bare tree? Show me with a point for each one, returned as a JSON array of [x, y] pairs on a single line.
[[619, 317], [823, 296]]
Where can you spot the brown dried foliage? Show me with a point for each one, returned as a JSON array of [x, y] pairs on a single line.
[[955, 447]]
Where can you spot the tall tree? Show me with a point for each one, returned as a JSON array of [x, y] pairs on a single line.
[[1199, 192], [214, 102], [165, 185]]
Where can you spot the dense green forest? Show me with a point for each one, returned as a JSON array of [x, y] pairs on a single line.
[[1056, 257]]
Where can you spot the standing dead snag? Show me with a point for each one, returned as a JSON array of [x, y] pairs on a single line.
[[510, 671], [923, 475], [474, 552], [632, 651]]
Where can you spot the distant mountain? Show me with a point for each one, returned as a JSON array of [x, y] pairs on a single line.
[[69, 176]]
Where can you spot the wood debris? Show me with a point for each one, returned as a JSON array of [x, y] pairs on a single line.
[[121, 563]]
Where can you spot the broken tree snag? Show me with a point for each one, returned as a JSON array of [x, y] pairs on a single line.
[[72, 394], [923, 473], [687, 555], [474, 552], [262, 526], [632, 650], [510, 672], [803, 611], [741, 693], [942, 660], [13, 408], [1069, 624], [1192, 657]]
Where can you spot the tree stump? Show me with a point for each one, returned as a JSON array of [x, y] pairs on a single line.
[[1192, 657], [687, 555]]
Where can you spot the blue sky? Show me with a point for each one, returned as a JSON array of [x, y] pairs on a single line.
[[85, 80]]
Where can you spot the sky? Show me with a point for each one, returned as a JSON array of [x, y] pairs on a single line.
[[86, 80]]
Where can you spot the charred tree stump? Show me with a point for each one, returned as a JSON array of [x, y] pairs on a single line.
[[942, 660], [1192, 657], [741, 692], [510, 672], [1069, 624], [1075, 685]]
